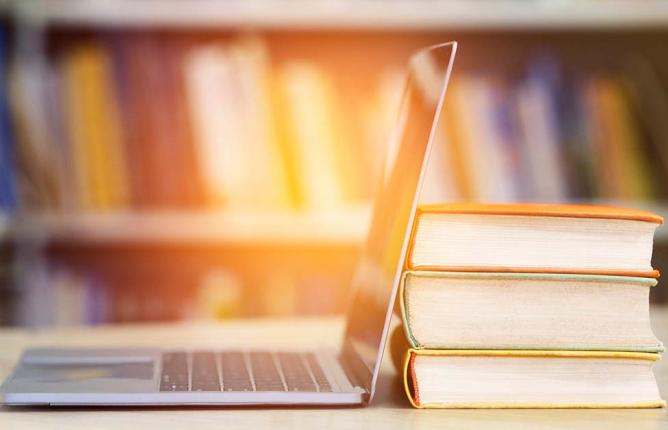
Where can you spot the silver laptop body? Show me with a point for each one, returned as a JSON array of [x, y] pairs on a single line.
[[123, 377]]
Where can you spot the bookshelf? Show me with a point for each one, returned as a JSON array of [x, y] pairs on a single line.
[[340, 227], [428, 15], [351, 42]]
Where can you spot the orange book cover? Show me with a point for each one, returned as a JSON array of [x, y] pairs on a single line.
[[537, 210]]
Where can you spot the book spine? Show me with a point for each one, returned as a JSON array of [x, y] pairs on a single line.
[[410, 381], [405, 317]]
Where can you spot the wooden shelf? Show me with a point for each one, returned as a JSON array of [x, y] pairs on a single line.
[[425, 15], [339, 227]]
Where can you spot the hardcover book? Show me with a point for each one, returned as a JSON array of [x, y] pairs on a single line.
[[455, 310], [530, 379], [536, 238]]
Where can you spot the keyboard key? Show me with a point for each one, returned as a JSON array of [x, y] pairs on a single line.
[[318, 374], [235, 374], [204, 372], [174, 374], [265, 373], [297, 376]]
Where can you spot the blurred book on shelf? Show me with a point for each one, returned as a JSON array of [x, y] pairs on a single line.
[[7, 173], [7, 290], [140, 122], [59, 294], [548, 136], [148, 123], [148, 150]]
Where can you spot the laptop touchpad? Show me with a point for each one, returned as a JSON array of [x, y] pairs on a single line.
[[86, 370]]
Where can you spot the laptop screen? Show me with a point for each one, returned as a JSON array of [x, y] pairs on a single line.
[[379, 270]]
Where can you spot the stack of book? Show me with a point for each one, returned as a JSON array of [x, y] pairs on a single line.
[[517, 306]]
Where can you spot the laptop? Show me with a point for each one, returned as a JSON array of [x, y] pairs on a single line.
[[347, 376]]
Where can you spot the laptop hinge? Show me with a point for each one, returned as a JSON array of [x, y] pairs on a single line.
[[354, 368]]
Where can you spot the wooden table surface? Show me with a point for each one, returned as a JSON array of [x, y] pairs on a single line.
[[389, 409]]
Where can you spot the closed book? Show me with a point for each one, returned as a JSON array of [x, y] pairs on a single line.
[[267, 181], [493, 154], [229, 92], [621, 168], [8, 198], [94, 129], [530, 379], [211, 82], [649, 105], [537, 238], [175, 131], [456, 310], [310, 130], [161, 164], [465, 143], [541, 150]]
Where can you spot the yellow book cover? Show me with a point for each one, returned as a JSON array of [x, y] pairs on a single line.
[[93, 123], [462, 144], [622, 169], [311, 131], [268, 180]]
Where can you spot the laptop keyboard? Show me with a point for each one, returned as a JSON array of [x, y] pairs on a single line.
[[242, 371]]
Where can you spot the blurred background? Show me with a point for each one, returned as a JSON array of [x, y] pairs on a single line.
[[164, 160]]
